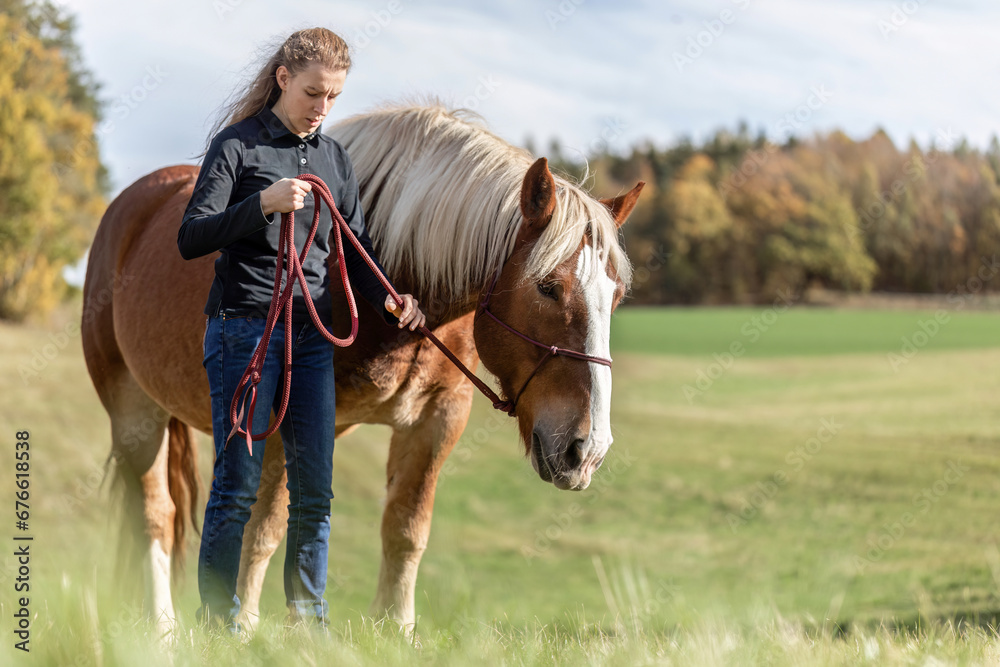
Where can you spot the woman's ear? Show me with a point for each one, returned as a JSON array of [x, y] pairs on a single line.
[[282, 75]]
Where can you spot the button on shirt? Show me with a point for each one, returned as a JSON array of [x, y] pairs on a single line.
[[225, 214]]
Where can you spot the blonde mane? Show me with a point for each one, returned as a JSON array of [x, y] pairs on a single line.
[[441, 197]]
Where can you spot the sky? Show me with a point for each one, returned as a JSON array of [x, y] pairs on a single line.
[[594, 73]]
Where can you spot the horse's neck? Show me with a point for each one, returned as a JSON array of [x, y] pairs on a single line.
[[442, 311]]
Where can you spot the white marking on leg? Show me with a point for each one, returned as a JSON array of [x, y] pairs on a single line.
[[159, 584], [397, 589]]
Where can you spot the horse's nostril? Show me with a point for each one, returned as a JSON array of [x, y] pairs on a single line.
[[574, 454]]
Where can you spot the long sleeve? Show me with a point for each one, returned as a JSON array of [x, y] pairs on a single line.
[[362, 278], [209, 222]]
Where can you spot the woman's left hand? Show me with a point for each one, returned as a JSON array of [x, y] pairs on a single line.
[[411, 315]]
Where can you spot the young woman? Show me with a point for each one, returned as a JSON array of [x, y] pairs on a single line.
[[271, 134]]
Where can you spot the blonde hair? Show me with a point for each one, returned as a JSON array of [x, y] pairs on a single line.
[[299, 51], [441, 197]]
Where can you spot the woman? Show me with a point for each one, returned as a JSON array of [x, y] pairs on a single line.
[[272, 134]]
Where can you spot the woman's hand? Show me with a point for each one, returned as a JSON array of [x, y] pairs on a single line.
[[284, 196], [410, 314]]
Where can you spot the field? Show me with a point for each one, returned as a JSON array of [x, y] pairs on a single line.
[[800, 486]]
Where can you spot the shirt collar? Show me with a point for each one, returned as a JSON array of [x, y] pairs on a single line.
[[276, 129]]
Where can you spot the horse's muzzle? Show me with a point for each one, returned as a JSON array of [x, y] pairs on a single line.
[[564, 462]]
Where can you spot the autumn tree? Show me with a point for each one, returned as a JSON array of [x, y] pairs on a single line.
[[738, 219], [700, 232], [52, 183]]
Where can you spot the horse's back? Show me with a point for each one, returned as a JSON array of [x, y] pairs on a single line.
[[124, 220]]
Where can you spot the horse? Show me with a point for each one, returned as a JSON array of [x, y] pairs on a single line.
[[455, 213]]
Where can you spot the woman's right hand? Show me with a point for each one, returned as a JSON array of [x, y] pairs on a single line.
[[284, 196]]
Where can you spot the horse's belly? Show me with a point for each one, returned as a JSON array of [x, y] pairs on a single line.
[[158, 318]]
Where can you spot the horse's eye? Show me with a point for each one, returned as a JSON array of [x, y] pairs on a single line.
[[548, 290]]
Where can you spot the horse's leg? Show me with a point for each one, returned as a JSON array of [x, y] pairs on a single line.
[[266, 528], [264, 531], [140, 447], [416, 455]]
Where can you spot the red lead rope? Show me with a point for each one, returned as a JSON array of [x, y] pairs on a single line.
[[283, 299]]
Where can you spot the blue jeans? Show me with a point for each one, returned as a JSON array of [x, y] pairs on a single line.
[[307, 432]]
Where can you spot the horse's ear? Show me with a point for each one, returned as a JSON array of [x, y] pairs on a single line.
[[622, 205], [538, 194]]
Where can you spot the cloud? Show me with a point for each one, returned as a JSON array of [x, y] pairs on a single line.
[[559, 68]]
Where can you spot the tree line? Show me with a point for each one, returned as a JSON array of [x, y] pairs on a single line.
[[736, 219], [739, 219]]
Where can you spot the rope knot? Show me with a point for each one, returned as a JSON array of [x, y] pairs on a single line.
[[504, 406]]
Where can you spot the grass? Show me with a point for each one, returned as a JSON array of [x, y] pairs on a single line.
[[798, 331], [876, 543]]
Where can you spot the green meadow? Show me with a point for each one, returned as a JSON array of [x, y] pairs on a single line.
[[798, 486]]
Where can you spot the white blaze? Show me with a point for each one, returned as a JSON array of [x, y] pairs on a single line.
[[598, 294]]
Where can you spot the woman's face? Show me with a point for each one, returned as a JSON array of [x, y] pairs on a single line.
[[307, 97]]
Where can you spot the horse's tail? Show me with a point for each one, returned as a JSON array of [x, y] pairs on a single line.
[[184, 483]]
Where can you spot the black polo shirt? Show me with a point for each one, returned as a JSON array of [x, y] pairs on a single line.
[[225, 214]]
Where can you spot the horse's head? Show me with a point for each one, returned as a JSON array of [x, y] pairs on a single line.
[[563, 406]]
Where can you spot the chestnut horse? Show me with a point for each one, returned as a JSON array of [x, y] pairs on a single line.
[[449, 206]]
